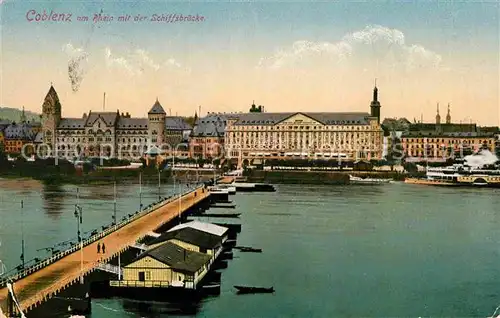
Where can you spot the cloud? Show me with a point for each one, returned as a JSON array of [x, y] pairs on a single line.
[[373, 44], [73, 51], [138, 62], [77, 66]]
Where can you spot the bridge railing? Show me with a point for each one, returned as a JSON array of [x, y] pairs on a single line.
[[46, 262]]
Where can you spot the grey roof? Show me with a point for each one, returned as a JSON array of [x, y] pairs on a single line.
[[443, 127], [191, 236], [132, 123], [157, 108], [212, 125], [4, 124], [72, 123], [19, 131], [108, 117], [177, 257], [249, 119], [448, 134], [176, 123]]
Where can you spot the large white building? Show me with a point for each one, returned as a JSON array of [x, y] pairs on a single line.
[[348, 136], [111, 134]]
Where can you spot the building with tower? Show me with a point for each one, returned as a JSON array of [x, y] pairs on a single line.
[[441, 141], [375, 104], [111, 134]]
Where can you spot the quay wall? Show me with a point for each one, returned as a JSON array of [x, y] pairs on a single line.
[[318, 177]]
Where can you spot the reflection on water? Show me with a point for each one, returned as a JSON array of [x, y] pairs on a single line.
[[158, 309], [53, 199]]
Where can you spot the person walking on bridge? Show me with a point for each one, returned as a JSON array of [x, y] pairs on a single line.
[[98, 247], [103, 248]]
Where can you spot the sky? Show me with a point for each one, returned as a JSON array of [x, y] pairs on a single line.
[[288, 56]]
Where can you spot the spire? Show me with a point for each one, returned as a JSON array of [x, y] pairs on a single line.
[[23, 116], [51, 103], [375, 104], [157, 108], [448, 116], [438, 117]]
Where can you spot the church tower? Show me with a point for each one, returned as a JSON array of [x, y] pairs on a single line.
[[156, 123], [375, 104], [448, 116], [51, 116], [23, 117], [438, 117]]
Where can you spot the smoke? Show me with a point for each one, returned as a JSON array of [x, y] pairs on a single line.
[[76, 65], [483, 158]]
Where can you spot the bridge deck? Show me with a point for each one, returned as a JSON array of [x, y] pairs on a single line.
[[33, 289]]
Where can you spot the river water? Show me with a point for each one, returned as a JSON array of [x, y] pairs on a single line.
[[329, 251]]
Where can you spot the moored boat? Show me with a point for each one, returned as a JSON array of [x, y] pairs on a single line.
[[253, 187], [468, 173], [254, 290], [250, 249], [230, 189]]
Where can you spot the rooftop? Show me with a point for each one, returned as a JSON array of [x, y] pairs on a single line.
[[211, 125], [176, 123], [177, 257], [108, 117], [351, 118], [202, 226], [22, 131], [192, 236], [157, 108]]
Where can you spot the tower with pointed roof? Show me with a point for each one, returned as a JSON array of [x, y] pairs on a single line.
[[51, 116], [438, 117], [156, 123], [375, 104], [448, 116], [23, 116]]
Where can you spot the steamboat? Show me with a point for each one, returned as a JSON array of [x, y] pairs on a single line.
[[462, 174]]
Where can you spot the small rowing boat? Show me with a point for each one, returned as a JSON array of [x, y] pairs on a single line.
[[254, 290]]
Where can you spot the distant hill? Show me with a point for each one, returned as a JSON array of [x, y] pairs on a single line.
[[14, 114]]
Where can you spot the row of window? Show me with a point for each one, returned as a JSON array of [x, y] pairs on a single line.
[[318, 128], [453, 141]]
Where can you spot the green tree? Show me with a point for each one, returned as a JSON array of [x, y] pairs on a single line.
[[395, 153], [255, 109]]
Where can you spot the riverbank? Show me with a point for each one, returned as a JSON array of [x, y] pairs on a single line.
[[319, 177], [104, 176]]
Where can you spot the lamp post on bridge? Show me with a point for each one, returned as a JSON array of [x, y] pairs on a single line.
[[22, 234], [159, 185], [79, 220], [114, 203], [140, 191]]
